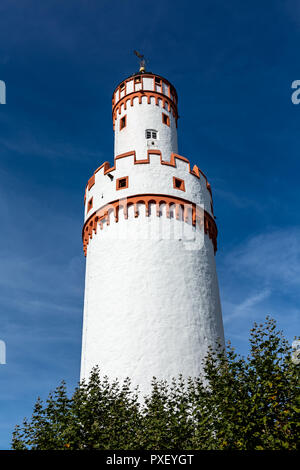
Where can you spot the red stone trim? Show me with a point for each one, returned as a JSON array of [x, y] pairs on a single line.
[[174, 156], [149, 94], [91, 182], [200, 217], [148, 75]]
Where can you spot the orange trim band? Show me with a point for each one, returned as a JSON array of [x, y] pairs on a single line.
[[149, 94], [91, 182], [172, 89], [200, 217], [174, 156]]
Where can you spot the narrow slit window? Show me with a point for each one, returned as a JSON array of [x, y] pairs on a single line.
[[178, 184], [122, 183], [165, 119], [90, 204], [122, 122]]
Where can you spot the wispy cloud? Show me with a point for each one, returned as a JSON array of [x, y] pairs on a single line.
[[272, 257], [246, 307], [261, 277], [238, 201], [41, 287]]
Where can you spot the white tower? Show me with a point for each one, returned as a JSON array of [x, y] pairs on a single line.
[[152, 302]]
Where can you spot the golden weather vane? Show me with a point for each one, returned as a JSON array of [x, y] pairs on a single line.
[[142, 61]]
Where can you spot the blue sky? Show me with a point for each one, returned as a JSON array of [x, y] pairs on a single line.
[[232, 64]]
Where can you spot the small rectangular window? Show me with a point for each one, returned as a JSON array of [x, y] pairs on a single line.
[[122, 122], [178, 184], [122, 183], [122, 86], [151, 134], [165, 119], [157, 81], [90, 204], [137, 80]]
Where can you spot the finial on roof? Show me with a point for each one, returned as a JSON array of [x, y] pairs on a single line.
[[142, 61]]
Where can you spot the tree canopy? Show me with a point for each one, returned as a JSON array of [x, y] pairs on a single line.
[[250, 403]]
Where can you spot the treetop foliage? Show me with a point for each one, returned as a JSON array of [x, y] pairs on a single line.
[[250, 403]]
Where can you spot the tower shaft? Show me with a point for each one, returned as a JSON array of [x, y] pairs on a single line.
[[152, 303]]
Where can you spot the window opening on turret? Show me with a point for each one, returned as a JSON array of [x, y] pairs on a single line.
[[122, 183], [151, 134], [178, 184], [90, 204], [165, 119], [123, 122]]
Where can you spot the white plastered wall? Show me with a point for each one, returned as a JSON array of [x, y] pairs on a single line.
[[142, 116], [152, 302]]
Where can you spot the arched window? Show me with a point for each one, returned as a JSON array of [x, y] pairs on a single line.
[[151, 134]]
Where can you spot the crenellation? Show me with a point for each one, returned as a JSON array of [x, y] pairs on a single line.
[[158, 178]]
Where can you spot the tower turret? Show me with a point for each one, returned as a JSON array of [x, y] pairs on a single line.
[[152, 303], [144, 108]]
